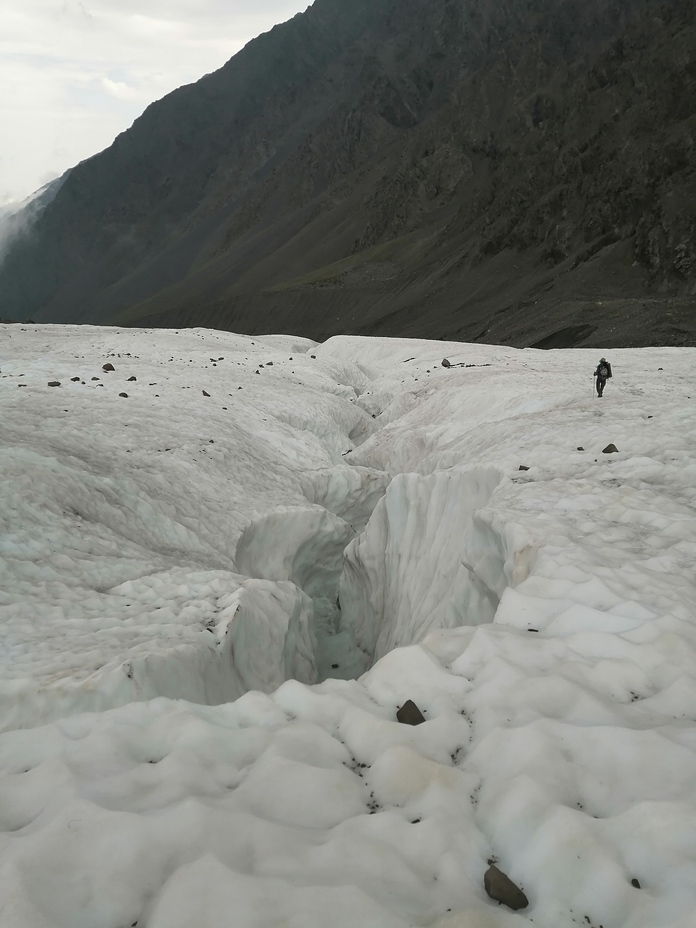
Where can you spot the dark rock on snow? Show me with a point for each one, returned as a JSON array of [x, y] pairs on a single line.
[[410, 714], [610, 449], [523, 467], [500, 887], [123, 394], [108, 366], [54, 383]]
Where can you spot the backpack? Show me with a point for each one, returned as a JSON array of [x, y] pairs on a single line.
[[604, 371]]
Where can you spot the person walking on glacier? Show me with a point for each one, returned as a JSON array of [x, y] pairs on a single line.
[[602, 374]]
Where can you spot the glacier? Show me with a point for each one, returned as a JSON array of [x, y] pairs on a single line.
[[226, 562]]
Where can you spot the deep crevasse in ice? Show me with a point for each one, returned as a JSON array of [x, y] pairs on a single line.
[[560, 734], [428, 559]]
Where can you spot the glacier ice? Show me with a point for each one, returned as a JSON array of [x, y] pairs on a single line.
[[178, 748], [426, 560]]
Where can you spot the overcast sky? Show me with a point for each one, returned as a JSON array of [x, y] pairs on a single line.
[[75, 74]]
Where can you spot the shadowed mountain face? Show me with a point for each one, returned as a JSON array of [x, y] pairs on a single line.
[[507, 171]]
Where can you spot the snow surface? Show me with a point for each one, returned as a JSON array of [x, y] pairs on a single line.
[[180, 573]]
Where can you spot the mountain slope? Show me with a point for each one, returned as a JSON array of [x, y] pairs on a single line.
[[498, 171]]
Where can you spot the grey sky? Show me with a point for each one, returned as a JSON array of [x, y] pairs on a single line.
[[75, 74]]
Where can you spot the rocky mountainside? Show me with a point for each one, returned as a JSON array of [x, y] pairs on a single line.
[[504, 171]]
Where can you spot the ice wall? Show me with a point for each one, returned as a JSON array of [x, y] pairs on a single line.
[[428, 559], [305, 546], [349, 492], [302, 545]]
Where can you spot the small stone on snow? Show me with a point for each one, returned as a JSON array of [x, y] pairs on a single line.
[[501, 888]]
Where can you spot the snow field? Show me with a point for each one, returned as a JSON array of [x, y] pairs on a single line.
[[542, 620]]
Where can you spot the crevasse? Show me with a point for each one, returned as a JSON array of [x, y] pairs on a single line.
[[430, 557]]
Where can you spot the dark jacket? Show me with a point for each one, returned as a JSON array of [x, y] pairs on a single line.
[[603, 364]]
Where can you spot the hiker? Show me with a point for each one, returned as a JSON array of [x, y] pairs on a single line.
[[603, 373]]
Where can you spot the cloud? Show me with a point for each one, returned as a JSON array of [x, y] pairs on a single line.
[[11, 226], [120, 90], [75, 74], [17, 218]]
